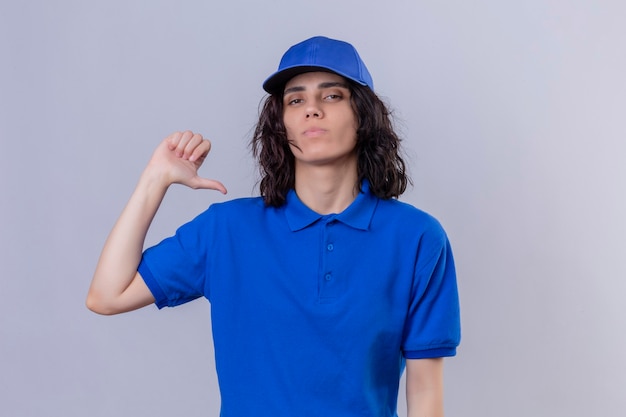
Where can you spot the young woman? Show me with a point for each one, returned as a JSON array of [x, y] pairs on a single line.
[[325, 287]]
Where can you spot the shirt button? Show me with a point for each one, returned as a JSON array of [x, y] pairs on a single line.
[[328, 277], [330, 247]]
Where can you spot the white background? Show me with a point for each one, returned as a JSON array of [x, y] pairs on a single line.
[[513, 114]]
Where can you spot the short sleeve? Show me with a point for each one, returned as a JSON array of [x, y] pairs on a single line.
[[432, 328], [175, 269]]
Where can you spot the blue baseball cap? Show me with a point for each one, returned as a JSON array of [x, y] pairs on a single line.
[[319, 54]]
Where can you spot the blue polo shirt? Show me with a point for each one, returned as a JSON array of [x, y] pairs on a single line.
[[313, 315]]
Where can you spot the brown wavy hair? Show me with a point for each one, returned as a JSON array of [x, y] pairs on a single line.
[[378, 148]]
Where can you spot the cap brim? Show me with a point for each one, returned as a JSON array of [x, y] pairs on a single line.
[[276, 82]]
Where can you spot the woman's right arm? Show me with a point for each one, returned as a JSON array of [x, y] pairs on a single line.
[[116, 286]]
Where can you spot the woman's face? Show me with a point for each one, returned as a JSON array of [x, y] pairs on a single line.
[[319, 119]]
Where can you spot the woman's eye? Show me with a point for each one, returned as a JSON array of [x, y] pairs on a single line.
[[333, 97], [294, 101]]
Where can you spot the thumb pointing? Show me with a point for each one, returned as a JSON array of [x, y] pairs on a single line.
[[207, 184]]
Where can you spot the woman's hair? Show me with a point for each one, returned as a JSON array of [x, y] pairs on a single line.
[[378, 148]]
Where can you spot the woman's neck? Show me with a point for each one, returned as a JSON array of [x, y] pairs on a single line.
[[327, 189]]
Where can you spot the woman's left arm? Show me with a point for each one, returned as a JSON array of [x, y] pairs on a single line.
[[424, 387]]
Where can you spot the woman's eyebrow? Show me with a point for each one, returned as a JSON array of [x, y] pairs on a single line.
[[332, 84], [293, 89]]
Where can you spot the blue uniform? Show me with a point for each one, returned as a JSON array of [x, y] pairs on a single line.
[[313, 315]]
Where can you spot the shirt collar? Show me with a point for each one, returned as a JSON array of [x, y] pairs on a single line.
[[357, 215]]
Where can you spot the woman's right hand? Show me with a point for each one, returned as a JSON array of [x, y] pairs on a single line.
[[177, 160]]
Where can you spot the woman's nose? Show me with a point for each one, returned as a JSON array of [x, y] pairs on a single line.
[[313, 111]]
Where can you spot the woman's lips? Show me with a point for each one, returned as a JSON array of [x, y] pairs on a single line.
[[314, 131]]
